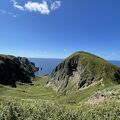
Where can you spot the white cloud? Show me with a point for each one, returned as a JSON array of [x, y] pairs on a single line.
[[65, 50], [37, 7], [8, 13], [55, 5], [42, 7], [16, 5]]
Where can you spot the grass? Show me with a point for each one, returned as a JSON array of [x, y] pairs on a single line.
[[40, 91], [25, 109], [36, 91], [89, 66], [38, 102]]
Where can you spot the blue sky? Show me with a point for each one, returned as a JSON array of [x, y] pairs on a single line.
[[57, 28]]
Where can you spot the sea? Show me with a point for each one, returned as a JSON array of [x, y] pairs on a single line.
[[47, 65]]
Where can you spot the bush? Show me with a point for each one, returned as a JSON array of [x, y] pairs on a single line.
[[16, 109]]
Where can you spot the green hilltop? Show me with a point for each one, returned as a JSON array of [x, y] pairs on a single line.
[[82, 69]]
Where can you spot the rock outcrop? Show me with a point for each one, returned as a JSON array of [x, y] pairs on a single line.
[[14, 69], [82, 70]]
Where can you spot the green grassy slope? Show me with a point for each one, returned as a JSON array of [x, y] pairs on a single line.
[[42, 103], [40, 91], [95, 64], [82, 69]]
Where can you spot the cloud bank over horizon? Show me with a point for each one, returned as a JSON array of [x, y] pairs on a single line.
[[42, 7]]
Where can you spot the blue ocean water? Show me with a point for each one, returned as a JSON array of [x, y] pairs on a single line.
[[48, 65], [117, 63]]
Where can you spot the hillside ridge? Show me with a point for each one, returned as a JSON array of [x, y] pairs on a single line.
[[14, 69], [82, 69]]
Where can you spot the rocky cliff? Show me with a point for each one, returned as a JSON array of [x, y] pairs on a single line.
[[14, 69], [81, 70]]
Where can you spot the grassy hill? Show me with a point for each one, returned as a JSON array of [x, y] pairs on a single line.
[[82, 70], [39, 101], [42, 103]]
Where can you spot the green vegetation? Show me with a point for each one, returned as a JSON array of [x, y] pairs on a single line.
[[38, 102], [16, 109], [40, 91], [81, 70], [97, 99]]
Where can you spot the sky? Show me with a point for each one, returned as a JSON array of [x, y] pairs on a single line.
[[58, 28]]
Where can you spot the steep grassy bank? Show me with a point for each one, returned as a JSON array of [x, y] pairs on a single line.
[[82, 70], [39, 90], [38, 102]]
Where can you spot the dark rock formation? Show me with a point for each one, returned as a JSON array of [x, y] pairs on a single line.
[[14, 69], [81, 70]]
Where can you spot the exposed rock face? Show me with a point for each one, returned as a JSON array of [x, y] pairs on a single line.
[[14, 69], [105, 95], [81, 70]]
